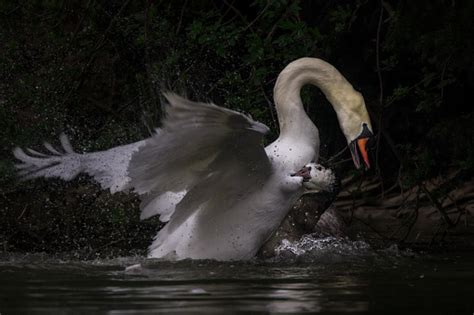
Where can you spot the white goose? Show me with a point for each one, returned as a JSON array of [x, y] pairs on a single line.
[[206, 172]]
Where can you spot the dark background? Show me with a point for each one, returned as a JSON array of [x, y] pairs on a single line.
[[96, 70]]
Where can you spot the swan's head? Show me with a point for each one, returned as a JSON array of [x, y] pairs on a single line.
[[354, 120], [348, 103], [317, 178]]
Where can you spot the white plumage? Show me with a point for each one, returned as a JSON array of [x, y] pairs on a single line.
[[109, 168], [206, 171]]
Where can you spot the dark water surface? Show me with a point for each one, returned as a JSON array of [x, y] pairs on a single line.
[[332, 278]]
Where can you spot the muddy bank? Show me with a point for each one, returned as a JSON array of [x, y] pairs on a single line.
[[435, 214]]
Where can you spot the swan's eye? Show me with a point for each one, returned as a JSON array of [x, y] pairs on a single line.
[[319, 168]]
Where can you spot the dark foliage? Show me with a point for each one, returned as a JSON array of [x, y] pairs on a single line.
[[96, 69]]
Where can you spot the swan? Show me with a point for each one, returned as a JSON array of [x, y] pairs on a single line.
[[206, 173]]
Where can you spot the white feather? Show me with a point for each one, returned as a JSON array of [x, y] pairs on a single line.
[[109, 168], [206, 170]]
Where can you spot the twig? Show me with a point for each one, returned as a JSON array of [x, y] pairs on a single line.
[[11, 11], [384, 237], [274, 27], [341, 161], [379, 75], [111, 243], [111, 117], [22, 212], [437, 205], [338, 154], [146, 26], [79, 24], [181, 17], [386, 135], [224, 14], [270, 107], [98, 46], [258, 16], [239, 14], [415, 211], [443, 72]]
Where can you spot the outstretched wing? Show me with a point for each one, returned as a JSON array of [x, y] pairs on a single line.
[[109, 167], [64, 163], [211, 156]]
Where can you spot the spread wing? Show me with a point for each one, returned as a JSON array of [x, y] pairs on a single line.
[[210, 156], [109, 167]]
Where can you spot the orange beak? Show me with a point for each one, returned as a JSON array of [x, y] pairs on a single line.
[[362, 144], [360, 153], [359, 148]]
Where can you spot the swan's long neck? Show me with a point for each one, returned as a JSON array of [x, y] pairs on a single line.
[[348, 103]]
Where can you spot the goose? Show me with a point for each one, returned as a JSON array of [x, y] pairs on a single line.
[[206, 173]]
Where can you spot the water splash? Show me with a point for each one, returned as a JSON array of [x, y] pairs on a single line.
[[63, 260], [330, 249], [310, 249]]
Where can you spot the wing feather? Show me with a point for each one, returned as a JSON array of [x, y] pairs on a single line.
[[213, 155]]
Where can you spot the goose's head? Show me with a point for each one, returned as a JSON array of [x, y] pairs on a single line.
[[317, 178]]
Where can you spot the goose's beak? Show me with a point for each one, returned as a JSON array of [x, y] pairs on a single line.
[[305, 172]]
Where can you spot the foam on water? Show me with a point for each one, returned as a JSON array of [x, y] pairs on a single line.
[[329, 249]]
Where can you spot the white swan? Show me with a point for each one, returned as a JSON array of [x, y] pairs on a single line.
[[206, 172]]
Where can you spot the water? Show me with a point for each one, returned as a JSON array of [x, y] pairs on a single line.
[[310, 276]]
